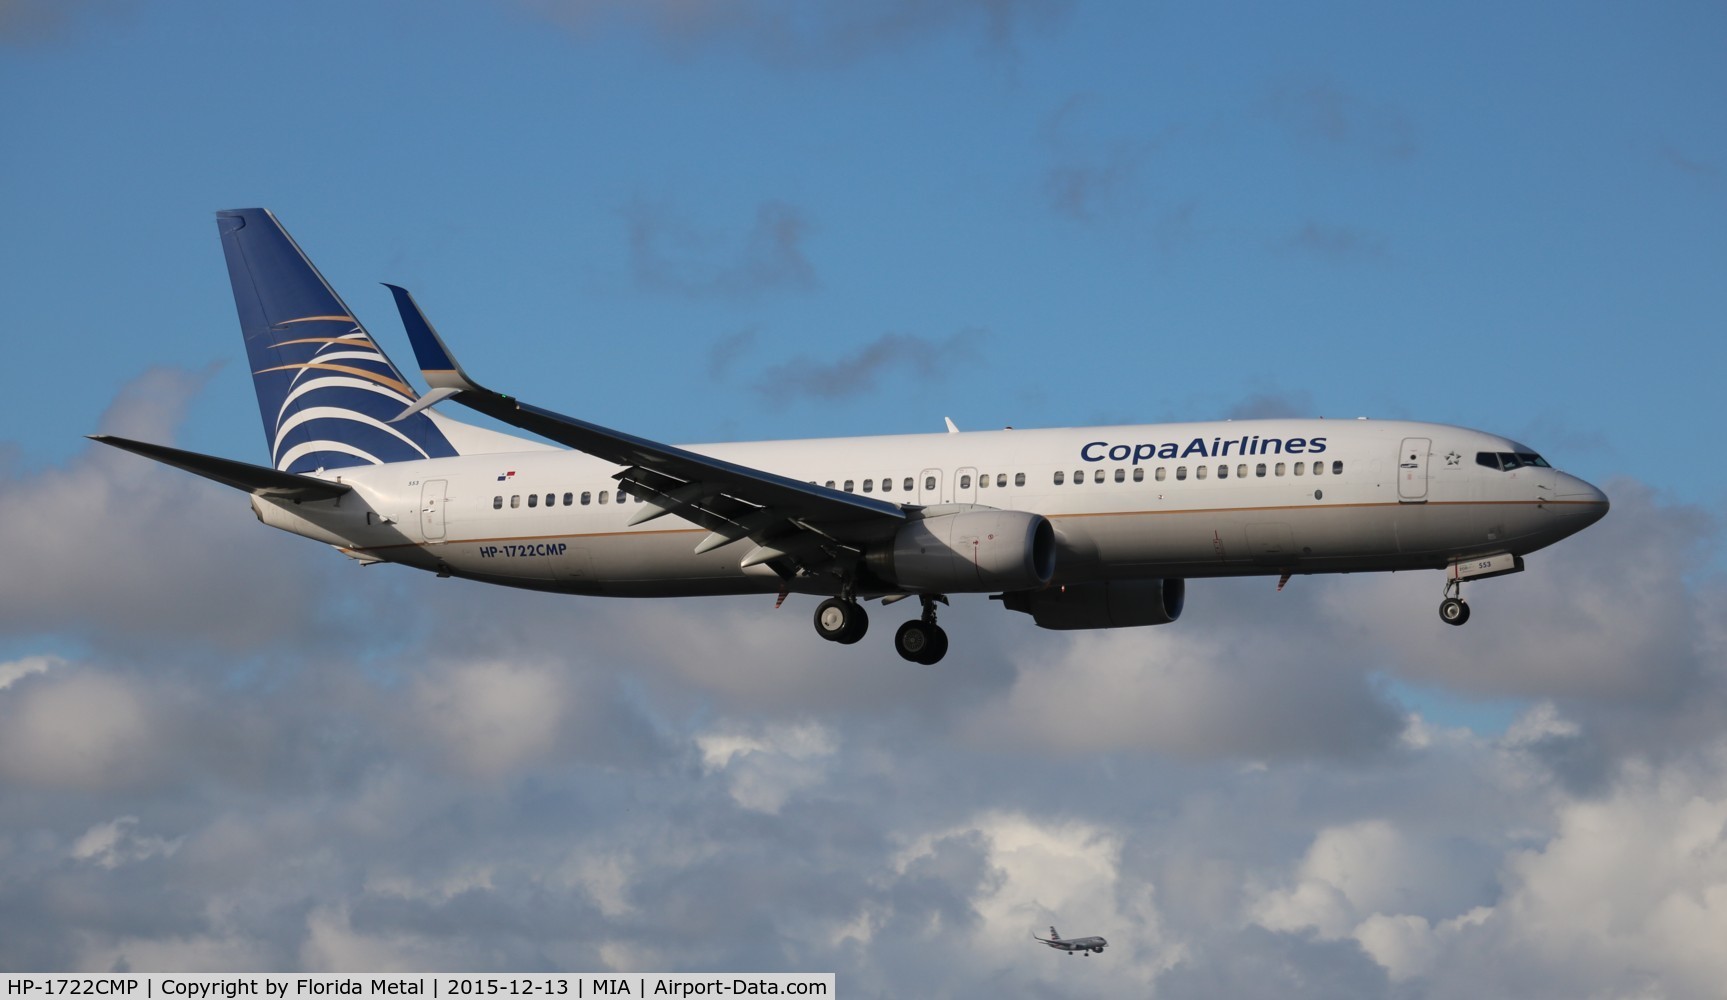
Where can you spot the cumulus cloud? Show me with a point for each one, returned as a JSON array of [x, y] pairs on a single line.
[[1189, 692], [492, 780]]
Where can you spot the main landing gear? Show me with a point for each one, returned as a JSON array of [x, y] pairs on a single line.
[[841, 619], [1453, 610], [921, 640]]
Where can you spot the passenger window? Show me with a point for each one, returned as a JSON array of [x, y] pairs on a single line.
[[1337, 468], [1319, 468], [1078, 477], [569, 499], [515, 501], [848, 487], [908, 482], [1241, 471], [497, 503], [829, 484], [1160, 472], [1138, 474], [587, 498], [1181, 472], [886, 484], [551, 499], [983, 481], [929, 482], [1058, 477], [1019, 479], [1281, 468], [533, 499], [1097, 477], [602, 496], [1223, 472], [869, 486], [1199, 471], [1121, 475], [1260, 470], [1300, 467], [965, 482]]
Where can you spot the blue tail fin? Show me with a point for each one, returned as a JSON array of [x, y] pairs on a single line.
[[326, 391]]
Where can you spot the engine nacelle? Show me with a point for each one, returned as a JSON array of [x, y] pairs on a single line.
[[968, 551], [1102, 604]]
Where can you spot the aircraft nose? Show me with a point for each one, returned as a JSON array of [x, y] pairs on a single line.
[[1574, 498]]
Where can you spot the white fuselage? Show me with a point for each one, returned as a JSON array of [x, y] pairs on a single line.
[[1127, 502]]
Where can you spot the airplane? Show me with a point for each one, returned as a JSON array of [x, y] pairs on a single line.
[[1088, 945], [1077, 528]]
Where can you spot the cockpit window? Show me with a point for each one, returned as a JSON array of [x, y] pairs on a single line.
[[1506, 461]]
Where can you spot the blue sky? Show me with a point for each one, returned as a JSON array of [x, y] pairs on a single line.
[[702, 221], [1088, 212]]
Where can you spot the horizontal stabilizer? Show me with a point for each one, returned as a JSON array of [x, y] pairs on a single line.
[[254, 479]]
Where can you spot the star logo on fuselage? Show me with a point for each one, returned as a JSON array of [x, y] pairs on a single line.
[[1453, 458]]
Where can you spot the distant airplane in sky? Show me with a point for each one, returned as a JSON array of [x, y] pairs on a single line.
[[1071, 945], [1082, 528]]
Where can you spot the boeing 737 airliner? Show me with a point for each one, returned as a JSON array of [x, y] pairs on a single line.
[[1083, 528]]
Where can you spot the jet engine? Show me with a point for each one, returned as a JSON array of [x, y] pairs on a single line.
[[969, 550], [1102, 603]]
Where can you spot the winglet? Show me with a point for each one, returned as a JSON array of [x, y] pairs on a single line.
[[436, 363], [951, 427]]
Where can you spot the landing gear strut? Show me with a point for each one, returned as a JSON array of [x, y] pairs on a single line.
[[1453, 610], [841, 619], [921, 640]]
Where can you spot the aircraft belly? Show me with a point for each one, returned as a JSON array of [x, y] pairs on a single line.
[[1244, 541], [634, 564]]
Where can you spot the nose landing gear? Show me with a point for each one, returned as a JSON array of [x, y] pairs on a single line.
[[1453, 610]]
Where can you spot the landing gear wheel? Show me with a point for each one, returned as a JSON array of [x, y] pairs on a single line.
[[839, 620], [921, 642], [1452, 611]]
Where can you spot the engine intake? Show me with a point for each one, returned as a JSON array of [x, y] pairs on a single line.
[[1102, 604], [968, 551]]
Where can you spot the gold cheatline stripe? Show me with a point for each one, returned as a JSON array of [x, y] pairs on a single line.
[[356, 341], [1107, 513], [314, 319], [399, 386]]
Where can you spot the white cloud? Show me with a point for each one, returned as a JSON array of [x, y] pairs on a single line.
[[114, 843], [81, 730], [490, 718], [765, 767], [1189, 691], [16, 670]]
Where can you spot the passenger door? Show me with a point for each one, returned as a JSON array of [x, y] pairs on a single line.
[[432, 509], [1412, 470]]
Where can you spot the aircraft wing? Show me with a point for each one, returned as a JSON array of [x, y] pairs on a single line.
[[794, 524]]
